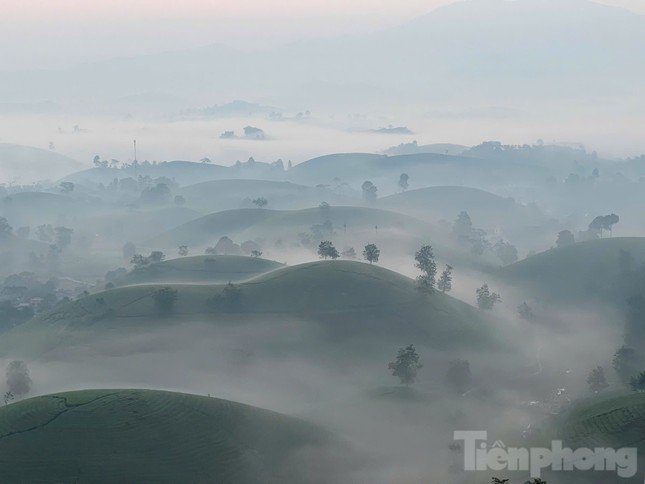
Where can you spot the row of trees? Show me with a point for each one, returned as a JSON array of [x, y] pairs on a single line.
[[229, 299], [326, 250], [407, 363], [627, 365], [370, 191]]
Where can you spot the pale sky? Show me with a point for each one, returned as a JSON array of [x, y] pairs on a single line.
[[44, 33]]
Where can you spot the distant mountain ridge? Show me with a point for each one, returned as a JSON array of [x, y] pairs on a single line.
[[494, 48]]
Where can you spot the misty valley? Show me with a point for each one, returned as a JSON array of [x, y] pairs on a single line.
[[414, 254]]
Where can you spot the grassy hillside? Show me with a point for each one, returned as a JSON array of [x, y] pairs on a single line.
[[15, 254], [612, 420], [230, 194], [323, 169], [583, 270], [246, 224], [26, 164], [34, 208], [209, 228], [150, 436], [211, 269], [183, 172], [447, 201], [135, 225], [347, 301], [423, 169]]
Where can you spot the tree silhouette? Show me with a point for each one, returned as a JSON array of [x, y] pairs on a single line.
[[406, 365], [485, 298], [326, 250], [403, 181], [565, 237], [444, 284], [596, 380], [165, 299], [638, 382], [369, 191], [426, 264], [371, 253]]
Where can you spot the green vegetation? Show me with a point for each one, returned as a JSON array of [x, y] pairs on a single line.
[[244, 224], [584, 270], [611, 420], [348, 299], [150, 436], [406, 365], [212, 269]]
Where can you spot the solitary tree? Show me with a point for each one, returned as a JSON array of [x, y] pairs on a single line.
[[63, 237], [604, 222], [458, 376], [625, 363], [406, 365], [638, 382], [371, 253], [8, 396], [156, 256], [256, 253], [260, 202], [506, 252], [526, 312], [369, 191], [5, 229], [444, 284], [165, 299], [485, 298], [565, 237], [66, 187], [18, 379], [326, 250], [463, 226], [426, 264], [182, 250], [596, 380], [403, 181], [230, 299]]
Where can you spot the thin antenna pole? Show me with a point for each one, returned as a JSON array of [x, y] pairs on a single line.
[[135, 150]]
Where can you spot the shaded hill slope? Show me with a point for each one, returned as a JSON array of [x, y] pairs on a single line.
[[346, 301], [150, 436], [584, 270], [212, 269]]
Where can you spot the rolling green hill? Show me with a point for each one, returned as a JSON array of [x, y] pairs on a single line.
[[231, 194], [183, 172], [209, 228], [244, 224], [27, 164], [584, 270], [35, 208], [614, 420], [135, 225], [346, 301], [423, 168], [212, 269], [446, 202], [151, 436]]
